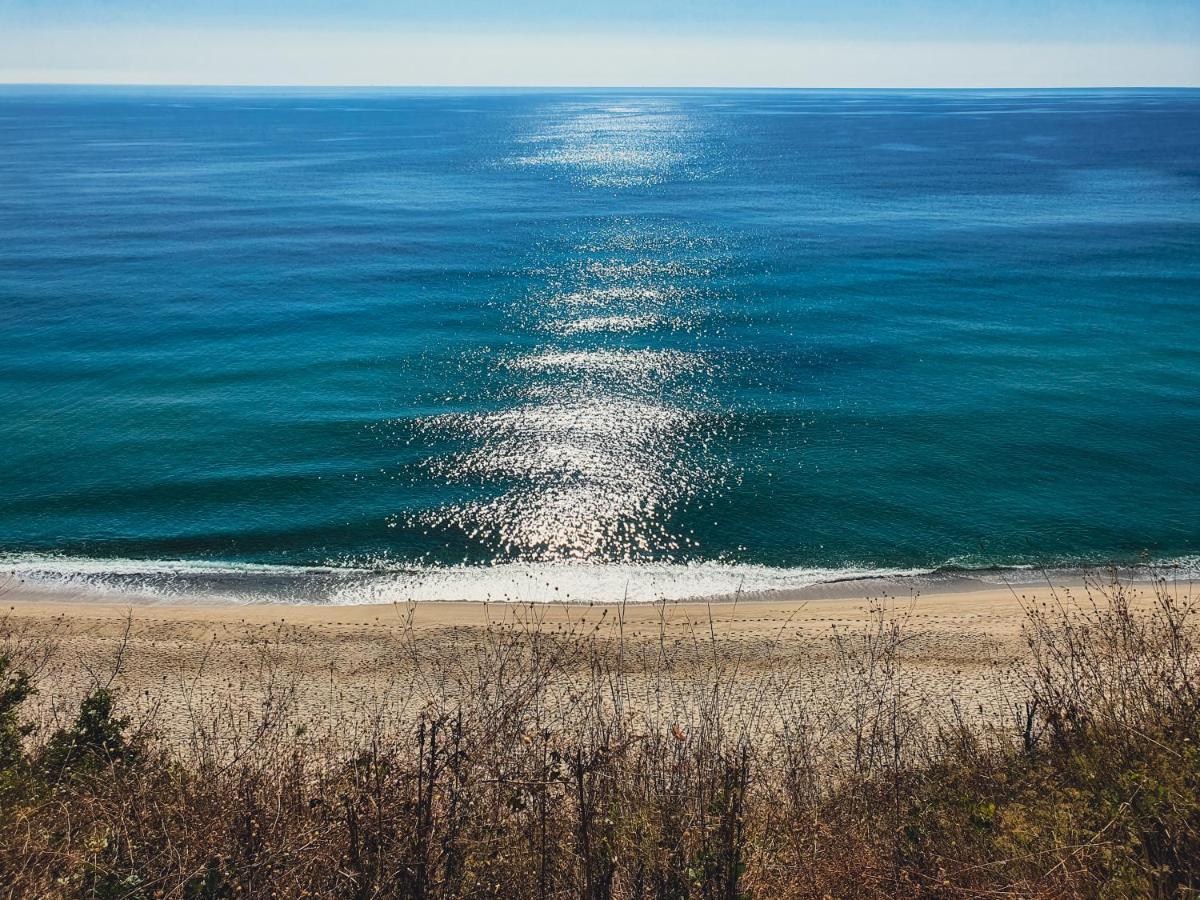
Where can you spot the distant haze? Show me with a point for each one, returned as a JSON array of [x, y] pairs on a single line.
[[859, 43]]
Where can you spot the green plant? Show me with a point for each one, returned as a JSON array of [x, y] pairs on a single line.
[[95, 740], [15, 689]]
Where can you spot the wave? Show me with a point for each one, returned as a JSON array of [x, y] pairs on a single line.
[[221, 581]]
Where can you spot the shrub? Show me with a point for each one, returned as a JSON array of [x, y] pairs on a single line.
[[95, 741], [528, 773], [15, 689]]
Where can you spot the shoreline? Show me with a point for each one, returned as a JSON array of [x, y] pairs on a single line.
[[342, 666], [202, 582], [851, 600]]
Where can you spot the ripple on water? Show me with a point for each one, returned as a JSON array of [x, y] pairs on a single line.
[[602, 443], [584, 477], [618, 146], [612, 324]]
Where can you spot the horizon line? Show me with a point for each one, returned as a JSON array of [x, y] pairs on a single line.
[[593, 87]]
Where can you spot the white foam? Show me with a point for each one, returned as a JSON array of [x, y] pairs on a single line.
[[580, 582], [504, 582], [584, 582], [31, 565]]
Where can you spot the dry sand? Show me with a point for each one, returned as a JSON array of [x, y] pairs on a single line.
[[344, 664]]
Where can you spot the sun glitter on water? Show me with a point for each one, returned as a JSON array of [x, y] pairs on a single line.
[[603, 441]]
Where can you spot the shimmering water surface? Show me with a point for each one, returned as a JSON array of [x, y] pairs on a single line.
[[353, 345]]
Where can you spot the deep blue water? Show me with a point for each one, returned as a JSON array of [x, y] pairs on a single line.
[[406, 330]]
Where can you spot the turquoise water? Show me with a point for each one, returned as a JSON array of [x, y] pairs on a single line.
[[373, 344]]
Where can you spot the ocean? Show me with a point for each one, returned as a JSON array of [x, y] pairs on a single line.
[[374, 345]]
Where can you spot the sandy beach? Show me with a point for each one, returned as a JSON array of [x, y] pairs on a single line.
[[349, 664]]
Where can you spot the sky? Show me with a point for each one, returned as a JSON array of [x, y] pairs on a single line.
[[752, 43]]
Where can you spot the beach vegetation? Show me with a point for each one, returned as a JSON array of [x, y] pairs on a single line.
[[549, 762]]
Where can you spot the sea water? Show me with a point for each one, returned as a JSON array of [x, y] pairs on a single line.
[[347, 345]]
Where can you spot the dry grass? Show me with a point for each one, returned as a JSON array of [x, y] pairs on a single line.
[[567, 761]]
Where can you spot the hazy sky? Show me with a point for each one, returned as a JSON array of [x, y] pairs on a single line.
[[852, 43]]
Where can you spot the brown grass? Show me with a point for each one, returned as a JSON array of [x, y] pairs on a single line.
[[567, 761]]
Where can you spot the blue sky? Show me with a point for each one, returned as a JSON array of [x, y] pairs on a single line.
[[700, 42], [926, 19]]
